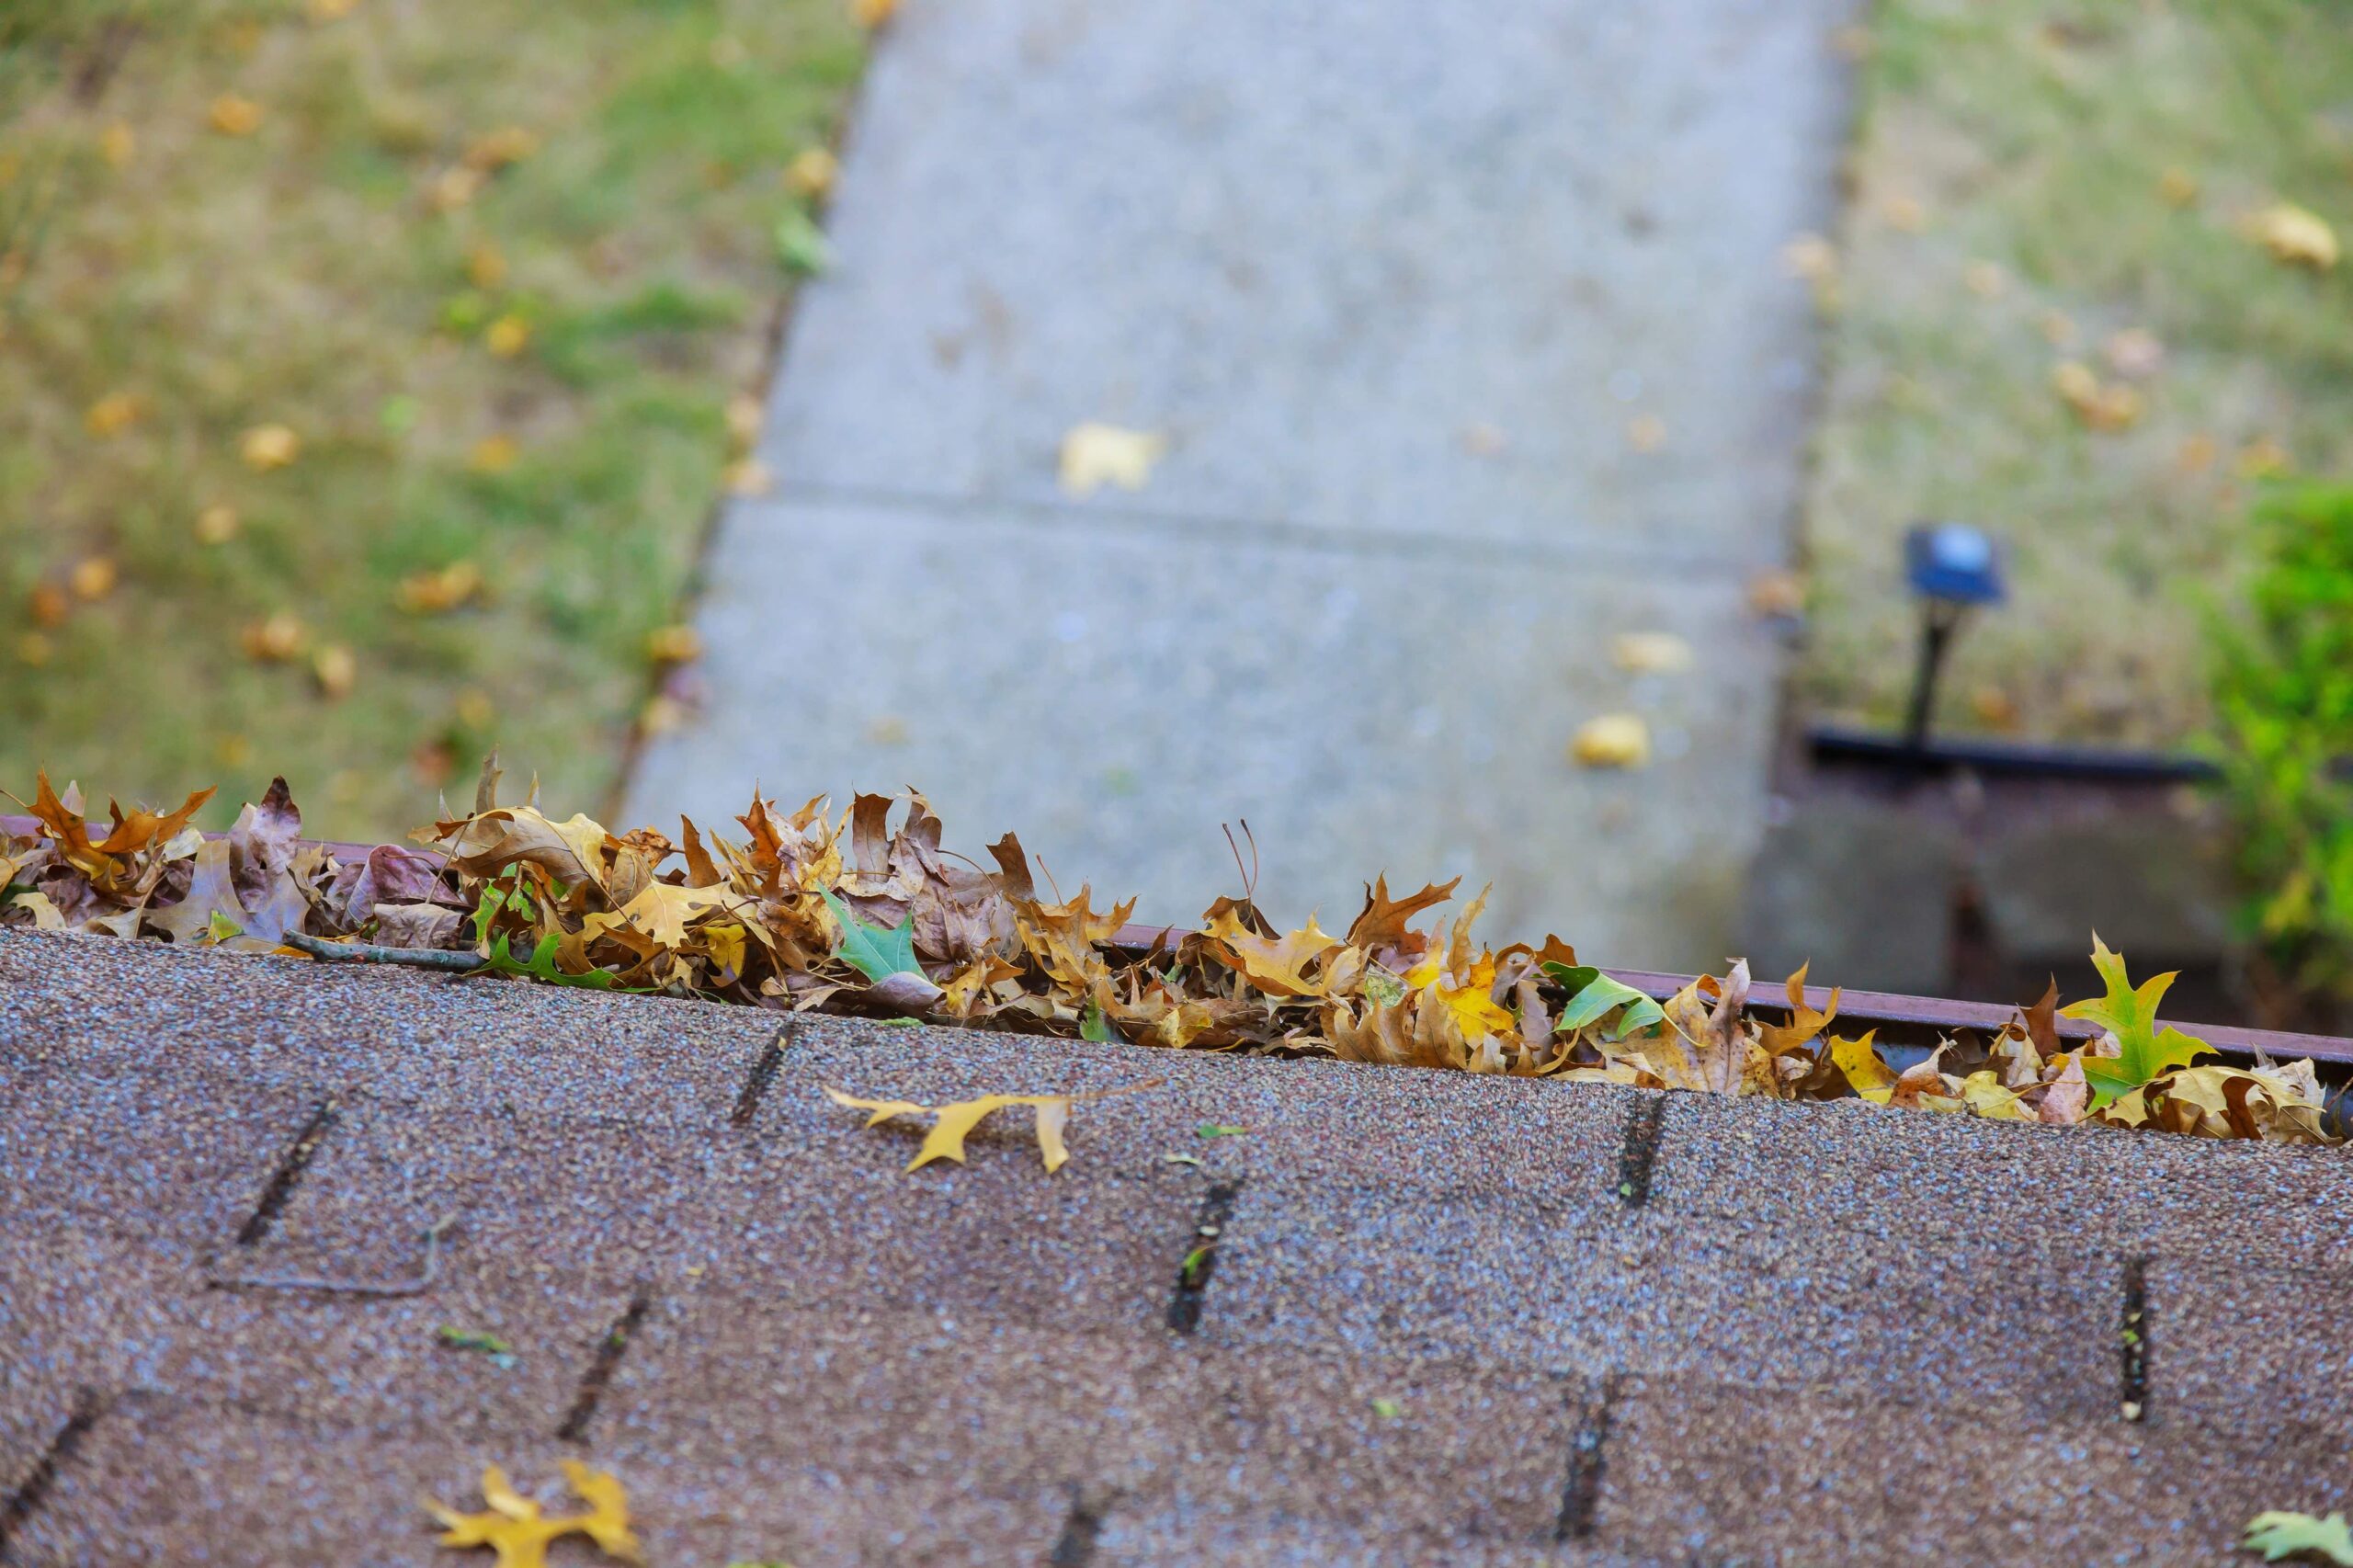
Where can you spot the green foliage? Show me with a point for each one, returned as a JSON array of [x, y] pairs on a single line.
[[1593, 994], [2131, 1015], [541, 966], [2278, 1535], [2284, 700], [873, 952]]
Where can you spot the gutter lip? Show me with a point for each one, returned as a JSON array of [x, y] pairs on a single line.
[[1873, 1008]]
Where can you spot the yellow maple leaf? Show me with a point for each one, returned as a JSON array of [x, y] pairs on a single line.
[[663, 911], [1095, 455], [1276, 965], [1866, 1069], [954, 1122], [519, 1532]]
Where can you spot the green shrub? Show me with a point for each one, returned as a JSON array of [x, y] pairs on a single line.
[[2283, 701]]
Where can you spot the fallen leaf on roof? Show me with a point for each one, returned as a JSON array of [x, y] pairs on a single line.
[[273, 639], [1613, 740], [1095, 455], [954, 1122], [2278, 1535], [2130, 1014], [2296, 236], [2177, 188], [519, 1532], [867, 913]]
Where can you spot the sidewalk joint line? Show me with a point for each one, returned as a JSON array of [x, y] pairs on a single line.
[[1210, 528]]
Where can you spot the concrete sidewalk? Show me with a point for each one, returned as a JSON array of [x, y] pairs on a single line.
[[1396, 281], [1449, 1319]]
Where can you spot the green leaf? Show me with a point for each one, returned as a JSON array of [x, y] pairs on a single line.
[[1388, 1409], [542, 967], [1092, 1027], [2146, 1052], [220, 927], [873, 952], [1218, 1129], [501, 1353], [1593, 994], [800, 245], [2278, 1535]]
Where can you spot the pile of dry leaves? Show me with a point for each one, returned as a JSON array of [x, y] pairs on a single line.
[[857, 914]]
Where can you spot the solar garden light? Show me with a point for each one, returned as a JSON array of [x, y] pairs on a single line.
[[1951, 569]]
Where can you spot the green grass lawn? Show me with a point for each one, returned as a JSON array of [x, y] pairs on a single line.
[[499, 266], [2033, 179]]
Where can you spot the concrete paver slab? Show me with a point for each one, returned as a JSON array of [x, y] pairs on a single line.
[[1113, 699], [1315, 248]]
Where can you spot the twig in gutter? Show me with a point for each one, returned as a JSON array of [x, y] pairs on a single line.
[[369, 952]]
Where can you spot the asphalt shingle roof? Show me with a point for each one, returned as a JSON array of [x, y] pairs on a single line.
[[1612, 1326]]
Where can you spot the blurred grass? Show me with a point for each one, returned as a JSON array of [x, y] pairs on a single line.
[[2033, 135], [307, 275]]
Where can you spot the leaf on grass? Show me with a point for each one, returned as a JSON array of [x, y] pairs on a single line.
[[2130, 1015], [2297, 236], [515, 1527], [2278, 1535], [800, 245], [954, 1122]]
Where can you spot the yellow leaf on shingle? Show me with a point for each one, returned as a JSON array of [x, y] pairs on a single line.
[[954, 1122], [516, 1530]]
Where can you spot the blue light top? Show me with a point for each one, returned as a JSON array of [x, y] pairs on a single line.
[[1955, 562]]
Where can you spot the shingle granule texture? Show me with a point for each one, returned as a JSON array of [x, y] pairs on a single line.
[[1434, 1331]]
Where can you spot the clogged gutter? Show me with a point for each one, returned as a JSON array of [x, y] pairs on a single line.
[[862, 914]]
